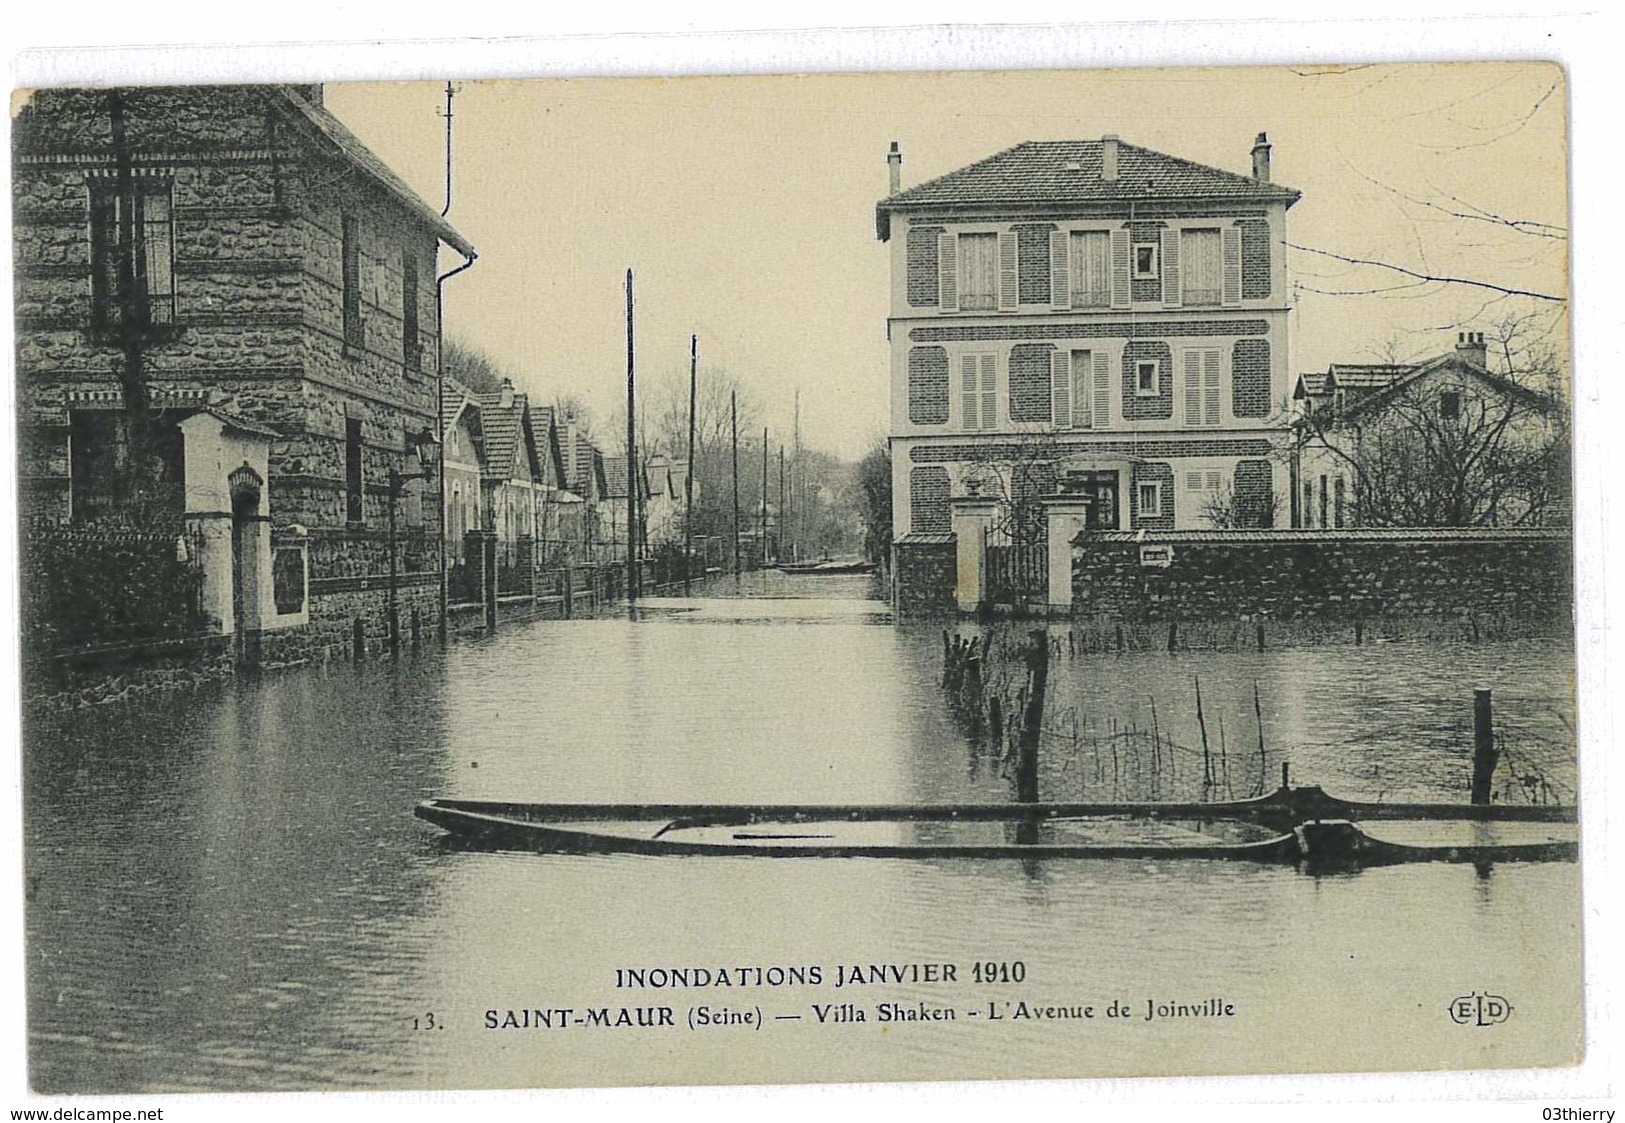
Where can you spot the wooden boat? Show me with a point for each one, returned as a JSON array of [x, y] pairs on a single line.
[[825, 568], [1282, 827]]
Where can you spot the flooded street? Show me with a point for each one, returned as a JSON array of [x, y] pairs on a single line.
[[227, 889]]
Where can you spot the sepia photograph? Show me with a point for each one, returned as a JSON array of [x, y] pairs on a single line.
[[853, 577]]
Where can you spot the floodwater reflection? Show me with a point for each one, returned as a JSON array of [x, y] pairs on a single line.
[[227, 888]]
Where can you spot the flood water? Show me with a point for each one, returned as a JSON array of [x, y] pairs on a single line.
[[227, 888]]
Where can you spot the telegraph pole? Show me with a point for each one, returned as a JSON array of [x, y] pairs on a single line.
[[688, 476], [631, 453], [733, 413], [764, 496], [780, 550]]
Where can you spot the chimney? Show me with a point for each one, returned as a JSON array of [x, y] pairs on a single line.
[[1108, 158], [894, 165], [507, 393], [1261, 158], [1471, 349]]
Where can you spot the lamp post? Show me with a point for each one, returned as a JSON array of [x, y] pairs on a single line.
[[426, 449]]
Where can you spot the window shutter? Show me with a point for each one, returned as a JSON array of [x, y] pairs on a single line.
[[1120, 268], [1170, 267], [1060, 270], [1193, 387], [972, 396], [1210, 387], [990, 393], [1082, 401], [1009, 275], [1103, 390], [1232, 265], [948, 272], [1060, 379]]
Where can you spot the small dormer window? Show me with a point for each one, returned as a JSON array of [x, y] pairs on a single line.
[[1145, 262], [1450, 405]]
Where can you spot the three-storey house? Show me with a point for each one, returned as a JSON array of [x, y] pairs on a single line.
[[1113, 316]]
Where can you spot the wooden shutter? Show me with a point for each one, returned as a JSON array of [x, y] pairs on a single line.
[[990, 392], [1060, 380], [1009, 273], [1078, 368], [1210, 387], [1060, 270], [1232, 265], [972, 400], [1102, 390], [948, 272], [1120, 269], [1170, 267], [1191, 373]]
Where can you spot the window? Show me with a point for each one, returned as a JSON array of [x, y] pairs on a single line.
[[1323, 499], [1337, 502], [1082, 388], [1145, 262], [145, 215], [1090, 259], [411, 348], [352, 282], [978, 272], [1202, 267], [1146, 380], [352, 469], [1450, 405], [1201, 374], [979, 389], [1148, 495]]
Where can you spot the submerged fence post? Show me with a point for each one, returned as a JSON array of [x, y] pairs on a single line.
[[1032, 721], [1484, 754]]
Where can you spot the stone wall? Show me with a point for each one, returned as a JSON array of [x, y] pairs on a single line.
[[924, 571], [1330, 575]]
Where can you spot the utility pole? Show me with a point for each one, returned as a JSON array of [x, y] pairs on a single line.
[[451, 92], [780, 550], [688, 475], [733, 413], [764, 496], [798, 486], [631, 453]]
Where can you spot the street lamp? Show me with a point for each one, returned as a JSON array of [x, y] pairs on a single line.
[[425, 450]]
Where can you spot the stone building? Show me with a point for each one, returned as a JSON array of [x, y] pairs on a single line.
[[1445, 442], [227, 336], [1094, 314]]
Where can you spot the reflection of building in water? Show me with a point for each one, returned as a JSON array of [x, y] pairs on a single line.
[[227, 343]]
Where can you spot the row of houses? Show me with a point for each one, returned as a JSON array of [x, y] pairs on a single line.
[[232, 418]]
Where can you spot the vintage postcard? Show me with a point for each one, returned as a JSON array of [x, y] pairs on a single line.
[[785, 579]]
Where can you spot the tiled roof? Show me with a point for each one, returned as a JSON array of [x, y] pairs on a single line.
[[504, 434], [615, 477], [456, 397], [1068, 171], [350, 146], [1369, 376]]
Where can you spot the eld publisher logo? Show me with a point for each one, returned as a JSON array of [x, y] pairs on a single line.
[[1480, 1010]]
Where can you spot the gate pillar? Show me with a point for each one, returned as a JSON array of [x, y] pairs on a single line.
[[1067, 513], [972, 515]]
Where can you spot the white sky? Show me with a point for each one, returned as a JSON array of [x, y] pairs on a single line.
[[746, 205]]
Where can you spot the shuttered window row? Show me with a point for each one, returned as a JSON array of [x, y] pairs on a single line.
[[987, 271]]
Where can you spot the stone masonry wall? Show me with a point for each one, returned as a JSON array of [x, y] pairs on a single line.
[[1337, 575], [924, 574]]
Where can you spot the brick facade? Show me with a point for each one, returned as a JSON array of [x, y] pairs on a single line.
[[1161, 473], [1030, 382], [1250, 378], [1159, 407], [922, 266], [1255, 259], [928, 386], [1032, 253], [1119, 329], [928, 500]]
